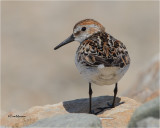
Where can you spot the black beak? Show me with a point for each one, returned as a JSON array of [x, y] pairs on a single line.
[[68, 40]]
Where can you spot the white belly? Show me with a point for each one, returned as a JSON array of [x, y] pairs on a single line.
[[101, 75]]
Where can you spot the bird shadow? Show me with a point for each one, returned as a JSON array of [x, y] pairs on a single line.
[[82, 105]]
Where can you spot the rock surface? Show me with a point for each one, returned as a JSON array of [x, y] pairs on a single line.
[[149, 122], [147, 85], [69, 120], [115, 117], [149, 109]]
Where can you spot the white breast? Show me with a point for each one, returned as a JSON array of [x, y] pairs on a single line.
[[101, 75]]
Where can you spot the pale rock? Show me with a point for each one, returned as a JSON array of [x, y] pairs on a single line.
[[69, 121], [115, 117], [149, 122], [145, 114]]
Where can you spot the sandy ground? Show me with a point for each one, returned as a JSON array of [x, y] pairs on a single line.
[[34, 74]]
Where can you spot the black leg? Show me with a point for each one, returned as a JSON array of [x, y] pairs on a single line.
[[115, 93], [90, 98], [113, 104]]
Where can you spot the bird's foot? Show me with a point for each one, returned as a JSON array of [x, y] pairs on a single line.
[[111, 105], [92, 112], [103, 108]]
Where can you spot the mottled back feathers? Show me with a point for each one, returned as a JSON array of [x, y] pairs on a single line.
[[102, 48]]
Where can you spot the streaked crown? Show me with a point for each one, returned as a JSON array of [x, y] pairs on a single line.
[[85, 28], [82, 30]]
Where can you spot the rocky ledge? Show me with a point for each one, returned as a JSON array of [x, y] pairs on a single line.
[[71, 112]]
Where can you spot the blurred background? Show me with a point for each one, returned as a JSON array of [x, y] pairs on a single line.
[[34, 74]]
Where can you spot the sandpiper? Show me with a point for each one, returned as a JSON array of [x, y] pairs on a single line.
[[100, 58]]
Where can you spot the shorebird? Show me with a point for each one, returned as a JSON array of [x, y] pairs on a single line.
[[100, 58]]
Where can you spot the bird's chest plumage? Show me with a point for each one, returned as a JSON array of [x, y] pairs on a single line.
[[101, 59], [101, 75]]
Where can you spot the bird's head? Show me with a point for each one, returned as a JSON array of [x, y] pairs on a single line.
[[82, 30]]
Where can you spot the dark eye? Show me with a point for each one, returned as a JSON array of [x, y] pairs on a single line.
[[83, 29]]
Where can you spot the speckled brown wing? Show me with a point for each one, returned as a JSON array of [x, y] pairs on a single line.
[[102, 48]]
